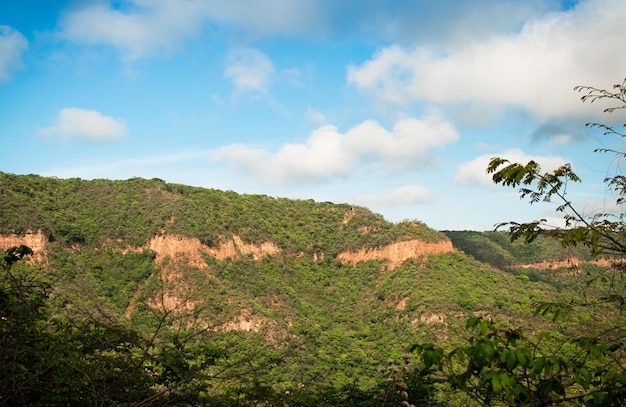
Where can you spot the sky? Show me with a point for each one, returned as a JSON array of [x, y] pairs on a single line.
[[395, 105]]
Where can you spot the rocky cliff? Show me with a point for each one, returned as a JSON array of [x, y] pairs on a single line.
[[36, 241], [397, 253], [192, 250]]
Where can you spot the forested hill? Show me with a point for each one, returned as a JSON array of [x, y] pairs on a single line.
[[206, 296], [131, 212]]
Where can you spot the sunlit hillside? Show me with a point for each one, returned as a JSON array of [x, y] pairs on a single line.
[[198, 296]]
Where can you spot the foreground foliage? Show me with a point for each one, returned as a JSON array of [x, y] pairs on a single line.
[[554, 367], [84, 359]]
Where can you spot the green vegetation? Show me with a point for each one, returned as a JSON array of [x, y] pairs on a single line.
[[578, 361], [123, 213], [497, 249], [294, 328]]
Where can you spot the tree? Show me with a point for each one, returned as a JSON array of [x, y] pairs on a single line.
[[507, 367], [604, 232], [45, 360], [48, 357], [22, 309]]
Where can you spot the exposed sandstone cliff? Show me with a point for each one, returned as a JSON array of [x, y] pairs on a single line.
[[571, 262], [171, 245], [36, 241], [397, 253]]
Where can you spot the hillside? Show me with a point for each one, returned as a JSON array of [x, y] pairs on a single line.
[[496, 248], [302, 300]]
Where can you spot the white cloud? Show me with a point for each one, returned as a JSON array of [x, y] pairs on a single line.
[[536, 68], [315, 116], [404, 195], [261, 17], [12, 45], [328, 153], [142, 28], [74, 122], [561, 132], [451, 23], [475, 171], [250, 70]]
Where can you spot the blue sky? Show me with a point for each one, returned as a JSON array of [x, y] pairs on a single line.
[[394, 105]]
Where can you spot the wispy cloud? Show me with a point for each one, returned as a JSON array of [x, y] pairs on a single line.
[[266, 18], [249, 70], [142, 28], [137, 166], [561, 131], [474, 172], [12, 46], [536, 68], [73, 122], [137, 28], [329, 153], [315, 116]]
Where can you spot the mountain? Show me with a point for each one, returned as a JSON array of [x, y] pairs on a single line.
[[301, 301]]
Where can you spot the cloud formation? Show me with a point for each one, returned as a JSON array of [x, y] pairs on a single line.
[[315, 116], [451, 23], [474, 172], [143, 28], [138, 28], [328, 153], [250, 70], [262, 18], [73, 122], [536, 68], [12, 45]]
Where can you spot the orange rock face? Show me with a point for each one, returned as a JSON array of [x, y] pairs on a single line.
[[36, 241], [170, 246], [397, 253], [571, 262], [192, 249]]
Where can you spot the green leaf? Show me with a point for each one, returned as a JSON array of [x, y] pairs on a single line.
[[472, 322], [511, 359], [583, 377], [539, 364], [496, 383], [522, 356]]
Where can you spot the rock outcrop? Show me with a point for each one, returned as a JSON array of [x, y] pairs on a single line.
[[172, 245], [397, 253], [571, 263], [36, 241]]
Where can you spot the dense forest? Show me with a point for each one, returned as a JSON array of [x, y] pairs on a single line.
[[143, 292]]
